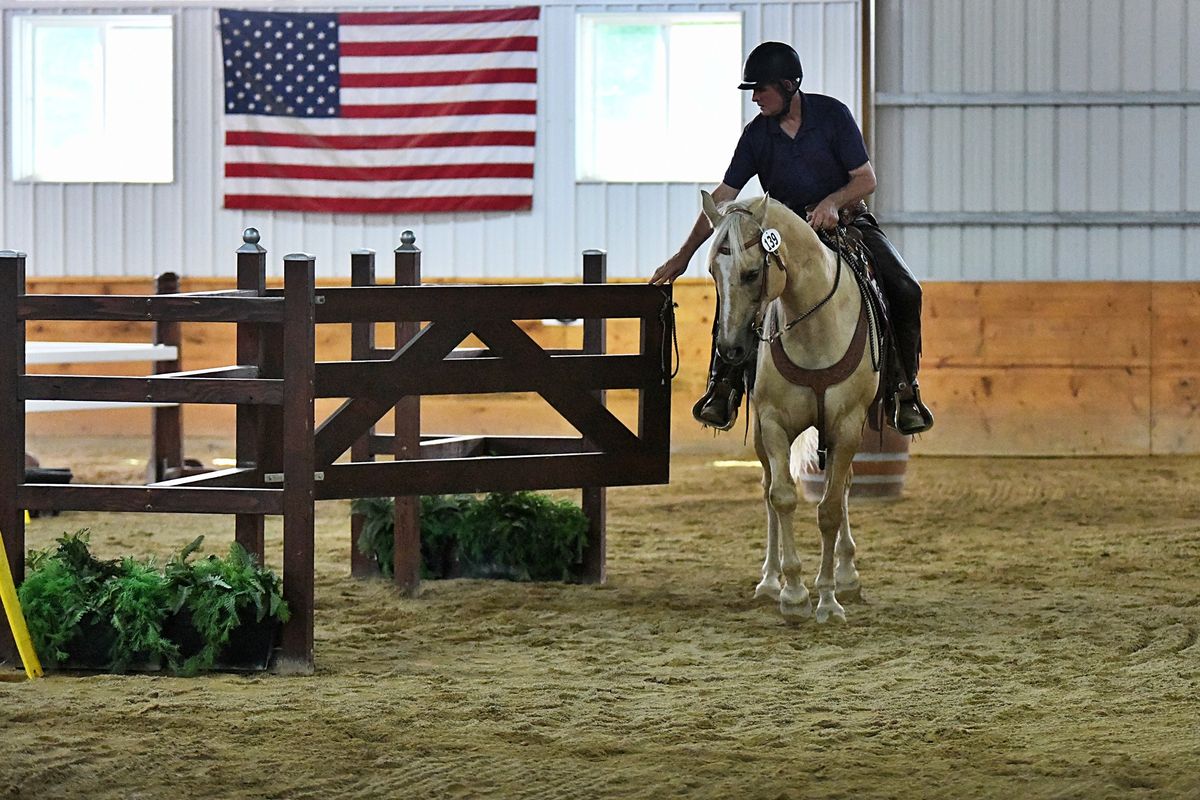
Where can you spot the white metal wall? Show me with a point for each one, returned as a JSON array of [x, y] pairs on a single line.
[[1040, 139], [108, 229]]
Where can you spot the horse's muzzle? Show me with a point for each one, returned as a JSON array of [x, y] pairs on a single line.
[[734, 354]]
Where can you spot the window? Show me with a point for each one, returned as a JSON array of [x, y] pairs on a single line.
[[656, 96], [92, 99]]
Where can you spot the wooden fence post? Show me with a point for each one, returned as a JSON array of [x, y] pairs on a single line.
[[595, 498], [166, 437], [299, 460], [407, 439], [249, 433], [362, 342], [12, 427]]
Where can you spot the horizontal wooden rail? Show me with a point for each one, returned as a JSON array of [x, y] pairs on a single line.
[[490, 474], [165, 308], [172, 500], [262, 391], [456, 303], [491, 375]]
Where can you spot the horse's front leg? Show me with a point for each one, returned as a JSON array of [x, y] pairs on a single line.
[[831, 516], [782, 499], [770, 584]]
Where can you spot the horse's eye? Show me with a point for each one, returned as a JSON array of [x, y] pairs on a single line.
[[750, 277]]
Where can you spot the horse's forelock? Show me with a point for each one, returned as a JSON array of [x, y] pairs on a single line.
[[729, 230]]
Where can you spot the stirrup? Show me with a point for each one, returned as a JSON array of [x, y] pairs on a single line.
[[707, 412], [909, 416]]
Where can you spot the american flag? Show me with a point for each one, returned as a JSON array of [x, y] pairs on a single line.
[[380, 112]]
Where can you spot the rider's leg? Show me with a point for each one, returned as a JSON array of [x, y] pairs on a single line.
[[726, 384], [904, 301]]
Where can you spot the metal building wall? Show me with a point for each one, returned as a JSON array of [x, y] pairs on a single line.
[[1040, 139], [112, 229]]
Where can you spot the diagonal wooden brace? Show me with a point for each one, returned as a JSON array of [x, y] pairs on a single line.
[[576, 404], [355, 416]]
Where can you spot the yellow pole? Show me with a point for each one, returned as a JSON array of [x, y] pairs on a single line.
[[16, 618]]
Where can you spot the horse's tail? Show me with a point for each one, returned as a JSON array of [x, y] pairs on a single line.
[[804, 454]]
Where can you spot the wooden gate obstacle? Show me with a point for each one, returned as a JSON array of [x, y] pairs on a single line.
[[286, 462]]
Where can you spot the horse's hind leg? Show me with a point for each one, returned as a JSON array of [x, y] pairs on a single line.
[[845, 574], [770, 585]]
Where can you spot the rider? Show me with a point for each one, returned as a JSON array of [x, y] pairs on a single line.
[[808, 153]]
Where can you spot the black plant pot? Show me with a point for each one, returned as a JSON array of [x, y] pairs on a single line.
[[90, 649], [249, 649]]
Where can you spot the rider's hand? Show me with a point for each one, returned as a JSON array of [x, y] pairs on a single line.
[[824, 216], [674, 266]]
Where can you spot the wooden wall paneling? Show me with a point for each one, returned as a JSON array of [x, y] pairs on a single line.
[[1037, 411], [1175, 390]]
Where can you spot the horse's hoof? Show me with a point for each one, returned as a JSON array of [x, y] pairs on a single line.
[[829, 609], [767, 587], [797, 604], [851, 594]]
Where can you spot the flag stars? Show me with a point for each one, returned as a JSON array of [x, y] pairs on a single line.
[[289, 66]]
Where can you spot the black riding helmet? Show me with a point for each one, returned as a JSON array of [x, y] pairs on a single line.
[[771, 62]]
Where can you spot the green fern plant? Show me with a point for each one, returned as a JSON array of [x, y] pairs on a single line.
[[518, 536], [56, 599], [218, 595], [523, 536], [136, 601], [74, 601]]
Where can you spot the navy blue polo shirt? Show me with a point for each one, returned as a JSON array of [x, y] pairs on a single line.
[[803, 171]]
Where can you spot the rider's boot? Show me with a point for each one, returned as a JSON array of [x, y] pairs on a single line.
[[906, 413], [718, 407]]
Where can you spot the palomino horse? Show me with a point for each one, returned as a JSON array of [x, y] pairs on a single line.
[[776, 281]]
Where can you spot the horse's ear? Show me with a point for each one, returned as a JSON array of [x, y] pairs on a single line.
[[758, 210], [710, 208]]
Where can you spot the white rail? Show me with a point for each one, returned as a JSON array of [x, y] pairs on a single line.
[[92, 353]]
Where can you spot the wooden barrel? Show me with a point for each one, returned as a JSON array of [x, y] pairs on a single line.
[[879, 468]]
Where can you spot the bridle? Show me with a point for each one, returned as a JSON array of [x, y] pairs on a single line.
[[762, 240]]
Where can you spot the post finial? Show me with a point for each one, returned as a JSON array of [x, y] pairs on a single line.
[[408, 243], [251, 236]]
